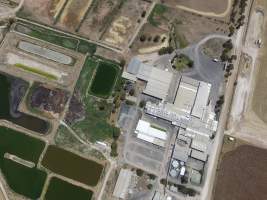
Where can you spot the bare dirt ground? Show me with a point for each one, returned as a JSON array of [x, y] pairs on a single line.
[[248, 119], [73, 13], [125, 22], [242, 174], [213, 48], [150, 32], [189, 28], [215, 6], [97, 20], [38, 10]]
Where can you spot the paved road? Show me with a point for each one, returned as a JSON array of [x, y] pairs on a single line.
[[218, 141]]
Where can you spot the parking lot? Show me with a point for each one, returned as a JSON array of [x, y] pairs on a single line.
[[145, 155]]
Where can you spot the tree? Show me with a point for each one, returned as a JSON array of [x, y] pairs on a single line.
[[132, 92], [139, 172], [116, 133], [166, 50], [142, 38], [143, 14], [228, 45], [163, 181], [152, 176], [114, 147], [231, 30], [122, 62], [156, 38], [142, 103], [149, 186]]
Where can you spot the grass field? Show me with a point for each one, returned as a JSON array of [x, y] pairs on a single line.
[[94, 126], [72, 166], [156, 13], [56, 38], [23, 180], [36, 71], [104, 79], [26, 181], [59, 189]]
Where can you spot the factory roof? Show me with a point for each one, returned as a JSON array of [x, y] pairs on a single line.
[[150, 134], [158, 80], [199, 155], [122, 185]]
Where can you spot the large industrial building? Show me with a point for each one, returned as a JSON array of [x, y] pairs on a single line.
[[157, 80], [150, 134], [189, 109], [123, 183]]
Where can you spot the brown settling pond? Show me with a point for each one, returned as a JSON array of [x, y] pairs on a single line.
[[72, 166]]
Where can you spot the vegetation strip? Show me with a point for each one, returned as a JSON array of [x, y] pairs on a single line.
[[36, 71]]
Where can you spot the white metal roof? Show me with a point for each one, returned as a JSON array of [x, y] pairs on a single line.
[[122, 185], [145, 132], [158, 80], [145, 128], [201, 99], [185, 97], [151, 140], [199, 155]]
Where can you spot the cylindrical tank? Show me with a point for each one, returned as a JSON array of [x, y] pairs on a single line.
[[175, 164], [173, 173]]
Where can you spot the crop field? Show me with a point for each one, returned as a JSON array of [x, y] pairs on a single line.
[[23, 180], [104, 79], [242, 174], [56, 38], [72, 166], [59, 189]]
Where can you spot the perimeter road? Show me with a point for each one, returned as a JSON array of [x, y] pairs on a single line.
[[207, 190]]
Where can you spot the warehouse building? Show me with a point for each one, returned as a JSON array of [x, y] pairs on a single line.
[[122, 184], [190, 108], [157, 80], [151, 134]]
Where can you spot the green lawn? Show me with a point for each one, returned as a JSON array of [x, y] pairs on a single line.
[[157, 13], [104, 79], [36, 71], [56, 38], [181, 62], [59, 189]]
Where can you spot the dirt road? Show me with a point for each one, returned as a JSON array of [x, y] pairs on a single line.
[[208, 14], [246, 121]]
